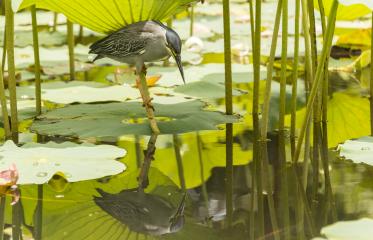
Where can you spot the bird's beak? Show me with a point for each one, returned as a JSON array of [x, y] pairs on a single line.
[[178, 61]]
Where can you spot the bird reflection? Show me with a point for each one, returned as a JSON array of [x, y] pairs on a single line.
[[142, 212]]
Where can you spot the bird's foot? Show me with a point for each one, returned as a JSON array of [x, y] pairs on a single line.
[[148, 104]]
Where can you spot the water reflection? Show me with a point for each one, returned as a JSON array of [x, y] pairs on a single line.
[[142, 212]]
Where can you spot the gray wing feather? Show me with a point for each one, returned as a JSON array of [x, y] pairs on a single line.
[[121, 44]]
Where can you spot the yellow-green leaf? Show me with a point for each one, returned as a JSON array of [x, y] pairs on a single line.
[[348, 9], [109, 15], [348, 118]]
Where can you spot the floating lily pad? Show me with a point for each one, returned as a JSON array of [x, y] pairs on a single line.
[[204, 89], [47, 39], [37, 163], [359, 150], [361, 229], [26, 110], [111, 120], [84, 94]]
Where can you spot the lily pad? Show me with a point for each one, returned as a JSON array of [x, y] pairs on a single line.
[[47, 39], [37, 163], [110, 120], [204, 89], [348, 117], [359, 150], [110, 15], [361, 229]]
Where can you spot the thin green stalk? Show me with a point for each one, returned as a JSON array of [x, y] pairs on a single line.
[[257, 153], [252, 206], [71, 45], [200, 157], [179, 161], [253, 176], [144, 91], [284, 206], [2, 216], [138, 151], [271, 61], [4, 51], [37, 60], [307, 42], [4, 107], [318, 77], [252, 23], [81, 34], [294, 93], [371, 81], [39, 214], [9, 16], [265, 114], [16, 222], [311, 16], [229, 111], [191, 31], [55, 21]]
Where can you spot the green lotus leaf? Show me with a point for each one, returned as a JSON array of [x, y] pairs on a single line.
[[359, 150], [38, 163], [109, 15], [361, 229], [108, 121], [348, 117], [349, 9]]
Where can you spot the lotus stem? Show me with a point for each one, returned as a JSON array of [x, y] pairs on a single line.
[[371, 80], [294, 93], [257, 153], [149, 155], [4, 50], [284, 206], [4, 106], [71, 45], [253, 180], [229, 111], [9, 16], [16, 221], [143, 87], [179, 161], [55, 21], [200, 157], [81, 34], [318, 76], [39, 214], [37, 60], [191, 31], [265, 115], [2, 216]]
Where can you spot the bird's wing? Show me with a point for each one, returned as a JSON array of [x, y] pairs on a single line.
[[121, 44]]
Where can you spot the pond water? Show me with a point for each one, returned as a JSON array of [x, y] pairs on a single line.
[[182, 192]]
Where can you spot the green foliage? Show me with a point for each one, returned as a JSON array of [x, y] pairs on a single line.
[[109, 15], [111, 120]]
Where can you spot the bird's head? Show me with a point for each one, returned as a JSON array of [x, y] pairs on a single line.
[[173, 43]]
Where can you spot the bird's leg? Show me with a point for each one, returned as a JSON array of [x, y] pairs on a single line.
[[143, 87]]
